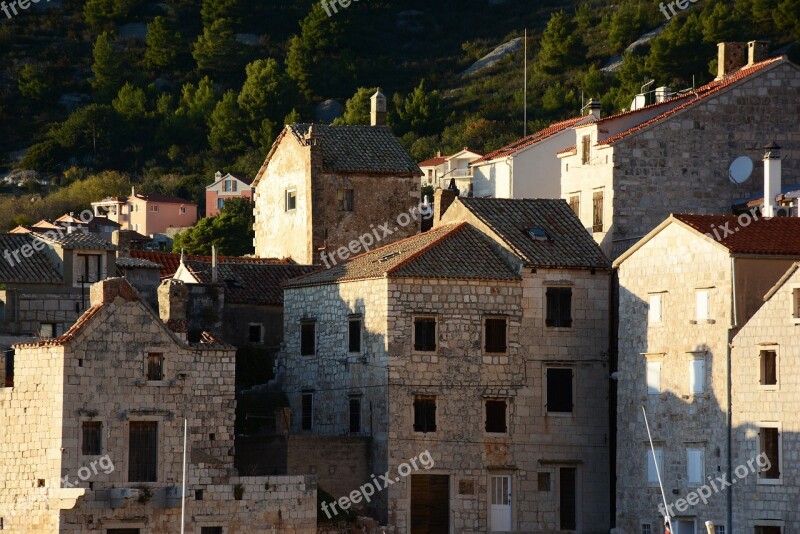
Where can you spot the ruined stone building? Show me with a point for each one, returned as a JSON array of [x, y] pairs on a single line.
[[94, 430], [685, 292], [482, 341], [323, 187], [626, 173]]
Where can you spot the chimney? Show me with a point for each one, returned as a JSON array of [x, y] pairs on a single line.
[[214, 270], [173, 302], [730, 57], [757, 51], [772, 178], [442, 198], [378, 109], [662, 93], [122, 240], [595, 108], [109, 290], [218, 175]]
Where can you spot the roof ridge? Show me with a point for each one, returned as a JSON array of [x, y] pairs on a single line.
[[453, 231]]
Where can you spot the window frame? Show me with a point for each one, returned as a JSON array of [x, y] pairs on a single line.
[[345, 198], [424, 427], [97, 257], [694, 360], [162, 365], [290, 193], [546, 393], [99, 437], [598, 211], [486, 412], [762, 371], [705, 295], [554, 305], [355, 319], [694, 449], [154, 208], [155, 458], [486, 335], [652, 320], [305, 323], [307, 420], [778, 427], [659, 460], [655, 362], [427, 317], [586, 149], [795, 311]]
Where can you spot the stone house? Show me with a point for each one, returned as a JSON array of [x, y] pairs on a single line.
[[481, 342], [94, 430], [626, 173], [224, 188], [764, 376], [321, 188], [528, 167], [685, 291]]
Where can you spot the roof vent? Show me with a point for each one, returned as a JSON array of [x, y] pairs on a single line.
[[388, 257], [538, 234]]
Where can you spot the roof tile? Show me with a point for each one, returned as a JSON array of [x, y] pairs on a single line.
[[779, 236]]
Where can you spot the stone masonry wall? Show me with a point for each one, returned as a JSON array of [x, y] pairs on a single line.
[[340, 463]]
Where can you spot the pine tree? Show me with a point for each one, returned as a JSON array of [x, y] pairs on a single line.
[[264, 93], [421, 111], [106, 67], [130, 103], [216, 51], [161, 44], [226, 126], [357, 108], [561, 46]]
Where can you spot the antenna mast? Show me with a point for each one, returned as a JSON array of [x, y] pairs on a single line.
[[525, 90]]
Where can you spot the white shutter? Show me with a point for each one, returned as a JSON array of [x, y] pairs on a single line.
[[654, 313], [702, 297], [694, 466], [652, 475], [697, 376], [653, 378]]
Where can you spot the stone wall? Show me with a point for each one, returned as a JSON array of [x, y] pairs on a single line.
[[25, 311], [340, 463]]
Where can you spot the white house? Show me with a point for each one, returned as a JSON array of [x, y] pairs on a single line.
[[439, 170]]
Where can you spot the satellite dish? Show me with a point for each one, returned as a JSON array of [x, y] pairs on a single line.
[[740, 170]]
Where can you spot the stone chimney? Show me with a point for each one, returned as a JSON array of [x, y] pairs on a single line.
[[730, 57], [757, 51], [772, 178], [662, 93], [442, 198], [214, 268], [595, 108], [378, 109], [173, 303], [122, 240], [109, 290]]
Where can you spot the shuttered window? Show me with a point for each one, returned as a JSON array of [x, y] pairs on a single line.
[[597, 211], [92, 438], [496, 416], [697, 376], [155, 366], [770, 446], [143, 451], [559, 307], [652, 475], [424, 414], [586, 147], [653, 378], [495, 334], [425, 334], [769, 367]]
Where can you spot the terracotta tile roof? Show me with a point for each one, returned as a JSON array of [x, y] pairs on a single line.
[[433, 162], [69, 334], [691, 98], [250, 282], [779, 236], [75, 240], [532, 139], [567, 243], [567, 150], [164, 199], [170, 261], [37, 269], [452, 251]]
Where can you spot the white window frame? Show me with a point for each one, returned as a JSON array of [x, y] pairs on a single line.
[[655, 309], [287, 192], [697, 385], [779, 426], [695, 451], [659, 362], [702, 305], [775, 349], [653, 482], [154, 208]]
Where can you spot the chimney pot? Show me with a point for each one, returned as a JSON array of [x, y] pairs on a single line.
[[378, 109], [595, 108], [772, 178]]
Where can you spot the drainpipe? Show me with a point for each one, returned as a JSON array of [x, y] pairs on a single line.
[[729, 414], [510, 163]]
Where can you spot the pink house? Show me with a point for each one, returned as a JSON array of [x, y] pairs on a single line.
[[147, 214], [224, 188]]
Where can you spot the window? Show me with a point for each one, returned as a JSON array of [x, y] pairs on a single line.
[[154, 209], [425, 334], [695, 466], [653, 378], [559, 390], [345, 197], [210, 530], [354, 335], [796, 303], [652, 475], [143, 451], [767, 530], [424, 414], [155, 366], [586, 147], [559, 307], [697, 376], [229, 186], [575, 204], [291, 199], [568, 498], [48, 330], [769, 367], [719, 529], [220, 203], [254, 333], [597, 211], [92, 439], [307, 414], [9, 382], [654, 312], [355, 415], [770, 446], [702, 312], [495, 334], [308, 334], [647, 528], [543, 481], [88, 268], [496, 416], [183, 211]]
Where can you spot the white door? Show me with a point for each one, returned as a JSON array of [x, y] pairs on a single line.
[[500, 512]]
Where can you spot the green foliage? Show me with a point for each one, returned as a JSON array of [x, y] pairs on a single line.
[[226, 127], [130, 103], [90, 133], [107, 67], [231, 230], [216, 51], [32, 82], [629, 20], [161, 45], [263, 100], [213, 10], [561, 45], [420, 111], [98, 13], [357, 108]]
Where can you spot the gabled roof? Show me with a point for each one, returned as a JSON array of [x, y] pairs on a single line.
[[164, 199], [452, 251], [170, 261], [352, 149], [250, 282], [74, 240], [691, 98], [777, 236], [36, 269], [567, 243], [246, 181], [530, 140], [433, 162]]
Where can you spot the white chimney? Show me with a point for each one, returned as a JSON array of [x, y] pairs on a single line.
[[378, 109], [662, 93], [772, 178], [595, 108], [218, 175], [214, 270]]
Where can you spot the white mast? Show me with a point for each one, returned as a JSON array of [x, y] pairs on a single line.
[[183, 483], [658, 471], [525, 90]]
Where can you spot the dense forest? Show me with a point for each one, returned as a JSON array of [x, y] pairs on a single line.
[[97, 95]]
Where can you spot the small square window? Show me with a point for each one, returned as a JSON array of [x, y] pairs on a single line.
[[354, 335], [254, 333], [424, 414], [647, 528], [495, 334], [355, 415], [719, 529], [425, 334], [496, 416], [307, 414], [155, 366], [559, 307], [769, 368], [559, 390], [48, 330], [543, 481], [92, 438], [345, 197], [291, 200], [183, 211], [308, 334]]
